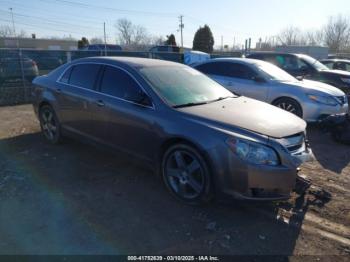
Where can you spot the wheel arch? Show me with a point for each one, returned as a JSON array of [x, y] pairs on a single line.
[[181, 140]]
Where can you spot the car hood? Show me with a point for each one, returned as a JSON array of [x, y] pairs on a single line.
[[249, 114], [340, 73], [310, 85]]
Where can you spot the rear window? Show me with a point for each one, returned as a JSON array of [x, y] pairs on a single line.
[[84, 75]]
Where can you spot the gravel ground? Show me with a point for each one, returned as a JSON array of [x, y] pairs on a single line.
[[77, 199]]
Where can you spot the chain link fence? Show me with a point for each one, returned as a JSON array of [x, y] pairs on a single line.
[[18, 68]]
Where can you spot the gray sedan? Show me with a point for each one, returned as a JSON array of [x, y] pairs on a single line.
[[201, 138], [263, 81]]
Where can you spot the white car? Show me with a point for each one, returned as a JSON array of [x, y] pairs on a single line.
[[263, 81]]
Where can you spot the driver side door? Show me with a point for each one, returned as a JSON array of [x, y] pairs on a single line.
[[131, 122]]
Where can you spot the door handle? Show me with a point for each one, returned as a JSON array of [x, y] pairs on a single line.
[[229, 83], [58, 90], [100, 103]]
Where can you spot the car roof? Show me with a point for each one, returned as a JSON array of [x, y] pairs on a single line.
[[335, 60], [135, 62], [273, 53], [234, 59]]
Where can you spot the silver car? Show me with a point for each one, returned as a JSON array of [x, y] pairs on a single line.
[[263, 81], [196, 134]]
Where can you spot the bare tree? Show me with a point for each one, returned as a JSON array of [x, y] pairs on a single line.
[[140, 36], [314, 37], [6, 31], [96, 41], [132, 36], [337, 33], [157, 40], [125, 31], [291, 36]]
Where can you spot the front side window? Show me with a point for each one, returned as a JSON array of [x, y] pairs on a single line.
[[313, 62], [65, 77], [84, 75], [272, 72], [239, 71], [118, 83]]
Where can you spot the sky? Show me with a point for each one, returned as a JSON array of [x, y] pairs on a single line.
[[230, 20]]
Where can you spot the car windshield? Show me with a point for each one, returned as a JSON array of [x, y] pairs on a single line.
[[184, 86], [274, 73], [314, 63]]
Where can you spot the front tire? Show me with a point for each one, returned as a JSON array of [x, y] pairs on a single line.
[[50, 125], [290, 105], [186, 174]]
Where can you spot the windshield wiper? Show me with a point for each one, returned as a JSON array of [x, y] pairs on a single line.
[[221, 98], [190, 104]]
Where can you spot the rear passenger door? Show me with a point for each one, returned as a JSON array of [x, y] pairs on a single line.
[[242, 77], [75, 97]]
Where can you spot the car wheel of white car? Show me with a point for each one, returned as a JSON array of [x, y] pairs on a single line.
[[289, 105]]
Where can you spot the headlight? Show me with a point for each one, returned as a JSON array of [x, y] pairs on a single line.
[[326, 100], [253, 152], [345, 80]]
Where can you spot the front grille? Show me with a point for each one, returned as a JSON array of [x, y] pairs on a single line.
[[293, 143]]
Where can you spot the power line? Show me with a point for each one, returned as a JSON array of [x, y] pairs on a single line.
[[50, 21], [112, 9]]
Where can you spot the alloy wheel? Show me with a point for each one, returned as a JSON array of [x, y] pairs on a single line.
[[185, 174], [48, 124]]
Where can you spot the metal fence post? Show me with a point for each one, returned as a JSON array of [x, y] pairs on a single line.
[[25, 98], [69, 56]]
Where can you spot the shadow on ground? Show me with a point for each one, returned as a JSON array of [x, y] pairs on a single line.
[[321, 143], [76, 199]]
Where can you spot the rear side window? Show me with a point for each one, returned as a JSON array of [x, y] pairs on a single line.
[[227, 69], [240, 71], [328, 64], [118, 83], [84, 75], [208, 68]]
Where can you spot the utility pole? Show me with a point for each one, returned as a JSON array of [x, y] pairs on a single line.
[[14, 28], [222, 43], [181, 29], [104, 34]]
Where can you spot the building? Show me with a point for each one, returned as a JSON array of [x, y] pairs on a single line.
[[38, 44]]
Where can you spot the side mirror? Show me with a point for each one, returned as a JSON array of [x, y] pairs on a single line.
[[259, 79], [304, 71], [142, 99]]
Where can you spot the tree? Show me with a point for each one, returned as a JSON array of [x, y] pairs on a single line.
[[203, 40], [126, 30], [96, 41], [6, 31], [337, 33], [84, 42], [170, 40], [291, 36]]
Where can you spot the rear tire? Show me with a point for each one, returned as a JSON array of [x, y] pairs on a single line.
[[290, 105], [186, 175], [50, 125]]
